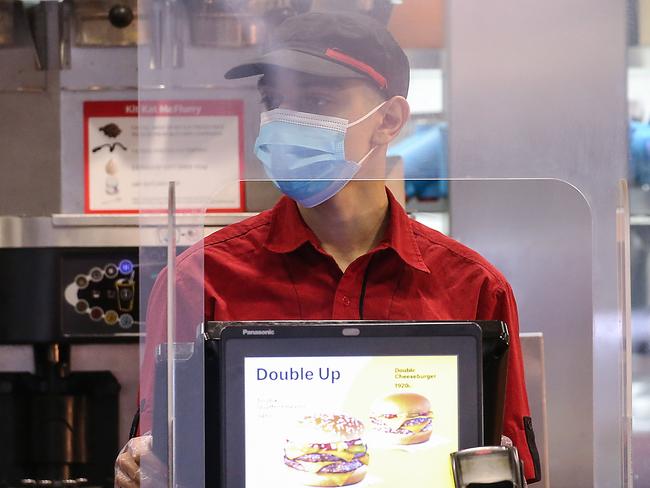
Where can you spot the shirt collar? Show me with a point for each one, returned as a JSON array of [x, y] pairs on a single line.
[[399, 236], [288, 231]]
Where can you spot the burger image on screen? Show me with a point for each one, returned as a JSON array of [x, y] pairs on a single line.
[[327, 450], [402, 418]]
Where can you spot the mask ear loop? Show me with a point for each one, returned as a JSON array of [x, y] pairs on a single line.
[[372, 112], [358, 121], [363, 159]]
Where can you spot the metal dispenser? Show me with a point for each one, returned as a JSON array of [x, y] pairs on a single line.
[[492, 466]]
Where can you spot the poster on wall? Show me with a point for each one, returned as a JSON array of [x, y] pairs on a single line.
[[134, 149]]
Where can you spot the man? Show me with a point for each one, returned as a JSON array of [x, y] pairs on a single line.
[[341, 247]]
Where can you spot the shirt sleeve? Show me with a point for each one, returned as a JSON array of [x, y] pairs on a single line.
[[190, 313], [156, 323], [499, 304]]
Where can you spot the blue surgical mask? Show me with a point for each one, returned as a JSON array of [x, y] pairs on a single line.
[[304, 154]]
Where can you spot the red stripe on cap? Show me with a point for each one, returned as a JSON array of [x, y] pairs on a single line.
[[360, 65]]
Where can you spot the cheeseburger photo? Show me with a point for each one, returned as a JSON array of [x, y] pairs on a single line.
[[402, 418], [327, 450]]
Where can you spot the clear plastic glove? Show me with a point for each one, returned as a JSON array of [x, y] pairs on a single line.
[[137, 466]]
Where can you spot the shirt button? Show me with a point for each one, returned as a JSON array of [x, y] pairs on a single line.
[[346, 301]]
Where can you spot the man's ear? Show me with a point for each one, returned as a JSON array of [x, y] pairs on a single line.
[[396, 114]]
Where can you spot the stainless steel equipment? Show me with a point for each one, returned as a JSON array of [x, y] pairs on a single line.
[[71, 278], [487, 466], [106, 23], [6, 23], [61, 424], [59, 428], [215, 23]]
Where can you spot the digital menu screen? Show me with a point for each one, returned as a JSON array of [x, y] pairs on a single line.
[[380, 421]]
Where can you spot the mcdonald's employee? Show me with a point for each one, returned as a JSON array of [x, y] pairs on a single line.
[[337, 245]]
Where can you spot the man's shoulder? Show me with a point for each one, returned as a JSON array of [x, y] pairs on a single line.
[[439, 250], [246, 235], [235, 239]]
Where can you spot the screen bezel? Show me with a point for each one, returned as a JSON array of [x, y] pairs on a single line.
[[462, 339]]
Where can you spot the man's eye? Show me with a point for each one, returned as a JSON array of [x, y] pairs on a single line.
[[270, 102], [316, 103]]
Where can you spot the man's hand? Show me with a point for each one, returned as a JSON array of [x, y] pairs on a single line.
[[136, 465]]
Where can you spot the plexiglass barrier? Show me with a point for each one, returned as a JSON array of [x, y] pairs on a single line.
[[336, 124]]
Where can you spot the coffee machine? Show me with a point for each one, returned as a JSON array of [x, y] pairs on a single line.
[[59, 427], [73, 289]]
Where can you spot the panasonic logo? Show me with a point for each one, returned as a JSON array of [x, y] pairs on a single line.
[[256, 332]]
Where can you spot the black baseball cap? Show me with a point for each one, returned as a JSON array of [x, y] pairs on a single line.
[[334, 44]]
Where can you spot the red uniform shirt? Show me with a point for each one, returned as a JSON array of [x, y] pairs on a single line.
[[272, 267]]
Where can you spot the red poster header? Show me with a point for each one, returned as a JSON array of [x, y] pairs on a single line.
[[162, 108]]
